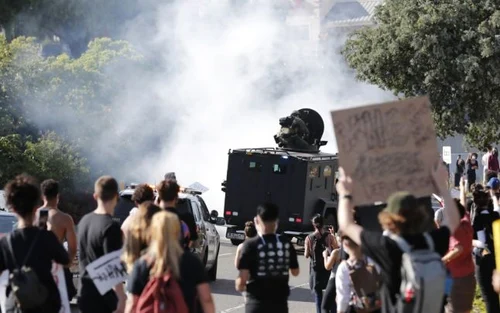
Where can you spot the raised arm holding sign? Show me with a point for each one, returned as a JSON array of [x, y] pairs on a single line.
[[386, 148]]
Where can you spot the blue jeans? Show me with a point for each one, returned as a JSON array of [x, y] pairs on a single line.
[[318, 298]]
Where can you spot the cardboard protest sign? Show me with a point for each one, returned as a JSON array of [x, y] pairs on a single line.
[[107, 271], [386, 148], [57, 273]]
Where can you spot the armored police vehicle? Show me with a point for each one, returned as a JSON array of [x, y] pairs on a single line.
[[296, 176]]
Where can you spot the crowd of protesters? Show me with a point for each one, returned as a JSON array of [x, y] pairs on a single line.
[[408, 267], [164, 276]]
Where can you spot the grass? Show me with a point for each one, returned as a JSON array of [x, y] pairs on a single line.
[[478, 306]]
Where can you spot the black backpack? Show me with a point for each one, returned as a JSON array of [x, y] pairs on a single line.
[[27, 290], [318, 246]]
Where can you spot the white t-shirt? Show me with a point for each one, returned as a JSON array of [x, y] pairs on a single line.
[[486, 156]]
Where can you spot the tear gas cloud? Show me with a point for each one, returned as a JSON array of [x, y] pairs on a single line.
[[222, 78], [236, 74]]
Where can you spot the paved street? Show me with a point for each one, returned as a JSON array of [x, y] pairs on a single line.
[[228, 300]]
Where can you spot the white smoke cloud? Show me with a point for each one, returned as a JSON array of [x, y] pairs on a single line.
[[217, 91]]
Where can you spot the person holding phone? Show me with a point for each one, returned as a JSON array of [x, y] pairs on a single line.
[[61, 224]]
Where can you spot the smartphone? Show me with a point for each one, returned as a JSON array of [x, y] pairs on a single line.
[[43, 217]]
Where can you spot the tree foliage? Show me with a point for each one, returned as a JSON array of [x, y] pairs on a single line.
[[44, 100], [449, 50], [74, 22]]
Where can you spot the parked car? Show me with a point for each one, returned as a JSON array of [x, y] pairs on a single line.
[[190, 202]]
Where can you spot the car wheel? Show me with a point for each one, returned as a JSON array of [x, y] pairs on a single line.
[[236, 242]]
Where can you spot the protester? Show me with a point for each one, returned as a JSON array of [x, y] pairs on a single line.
[[165, 256], [332, 261], [484, 250], [62, 225], [30, 247], [250, 232], [356, 274], [459, 262], [314, 246], [168, 196], [493, 165], [402, 222], [472, 166], [99, 235], [142, 193], [459, 171], [484, 162], [265, 264], [138, 234]]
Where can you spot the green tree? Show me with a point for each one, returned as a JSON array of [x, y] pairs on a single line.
[[449, 50]]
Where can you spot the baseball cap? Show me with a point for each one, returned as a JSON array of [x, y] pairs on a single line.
[[399, 200], [494, 183]]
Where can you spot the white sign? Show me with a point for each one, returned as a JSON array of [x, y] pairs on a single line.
[[447, 154], [57, 273], [107, 271], [199, 187]]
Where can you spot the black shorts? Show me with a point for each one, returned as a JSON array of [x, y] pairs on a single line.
[[266, 307]]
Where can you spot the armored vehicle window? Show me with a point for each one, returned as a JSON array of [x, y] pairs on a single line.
[[279, 169], [254, 166], [314, 171]]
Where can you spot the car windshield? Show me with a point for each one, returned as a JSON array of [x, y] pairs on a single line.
[[183, 206], [7, 223]]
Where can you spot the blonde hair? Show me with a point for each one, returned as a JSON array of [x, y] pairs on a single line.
[[165, 247], [138, 233]]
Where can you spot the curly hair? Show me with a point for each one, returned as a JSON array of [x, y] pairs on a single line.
[[143, 193], [23, 195], [250, 230], [168, 190]]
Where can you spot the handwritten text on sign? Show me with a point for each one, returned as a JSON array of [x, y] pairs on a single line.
[[107, 271], [386, 148]]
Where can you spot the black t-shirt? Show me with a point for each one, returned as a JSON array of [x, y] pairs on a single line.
[[192, 274], [386, 254], [269, 259], [483, 221], [98, 235], [189, 220], [46, 249]]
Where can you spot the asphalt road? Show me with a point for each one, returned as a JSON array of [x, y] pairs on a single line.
[[227, 299]]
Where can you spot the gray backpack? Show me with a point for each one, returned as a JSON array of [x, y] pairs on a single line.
[[423, 277]]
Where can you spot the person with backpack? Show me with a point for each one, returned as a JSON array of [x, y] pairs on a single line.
[[168, 279], [357, 282], [412, 273], [314, 245], [266, 263], [28, 252]]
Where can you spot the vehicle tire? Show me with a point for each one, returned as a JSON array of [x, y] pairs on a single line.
[[236, 242], [212, 273]]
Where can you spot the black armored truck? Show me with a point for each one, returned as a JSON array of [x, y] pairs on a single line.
[[296, 176]]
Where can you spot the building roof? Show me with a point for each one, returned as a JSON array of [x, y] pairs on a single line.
[[351, 12]]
